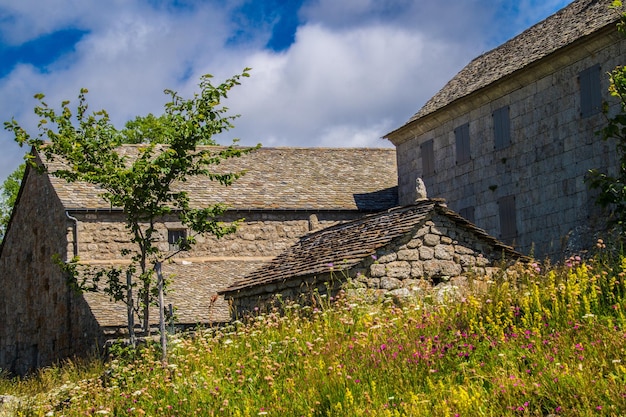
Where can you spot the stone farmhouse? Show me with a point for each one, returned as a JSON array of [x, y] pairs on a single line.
[[509, 140], [398, 252], [285, 194]]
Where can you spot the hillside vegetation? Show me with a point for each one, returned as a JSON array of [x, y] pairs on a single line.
[[535, 341]]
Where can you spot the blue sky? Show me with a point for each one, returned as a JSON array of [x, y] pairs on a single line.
[[324, 72]]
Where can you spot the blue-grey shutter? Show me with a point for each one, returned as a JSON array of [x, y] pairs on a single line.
[[590, 91], [501, 128], [428, 157], [468, 214], [462, 136], [508, 218]]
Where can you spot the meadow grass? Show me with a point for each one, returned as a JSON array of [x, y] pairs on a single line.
[[531, 342]]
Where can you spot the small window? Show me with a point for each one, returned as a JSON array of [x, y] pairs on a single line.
[[590, 91], [468, 214], [501, 128], [462, 136], [175, 236], [508, 219], [428, 158]]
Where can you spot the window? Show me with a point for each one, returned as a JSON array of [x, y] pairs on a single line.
[[468, 214], [501, 128], [174, 237], [590, 91], [461, 134], [508, 219], [428, 157]]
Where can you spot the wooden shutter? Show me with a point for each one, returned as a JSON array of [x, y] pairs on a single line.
[[462, 136], [508, 218], [590, 91], [501, 128], [428, 157]]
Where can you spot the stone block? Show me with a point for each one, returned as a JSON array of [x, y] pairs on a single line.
[[378, 270], [431, 239], [438, 268], [408, 255], [426, 253], [399, 269], [388, 283], [444, 252]]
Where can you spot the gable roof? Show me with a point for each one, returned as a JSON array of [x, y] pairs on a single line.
[[277, 178], [344, 245], [577, 20]]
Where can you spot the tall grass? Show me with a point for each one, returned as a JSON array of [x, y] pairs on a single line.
[[531, 342]]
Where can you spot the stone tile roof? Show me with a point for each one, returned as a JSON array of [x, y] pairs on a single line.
[[343, 246], [279, 178], [577, 20]]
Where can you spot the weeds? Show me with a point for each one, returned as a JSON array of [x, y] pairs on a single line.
[[533, 342]]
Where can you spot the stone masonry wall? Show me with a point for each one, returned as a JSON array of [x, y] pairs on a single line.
[[197, 275], [41, 320], [438, 252], [552, 148]]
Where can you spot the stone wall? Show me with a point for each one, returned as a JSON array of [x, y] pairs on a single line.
[[439, 251], [41, 320], [197, 275], [552, 148]]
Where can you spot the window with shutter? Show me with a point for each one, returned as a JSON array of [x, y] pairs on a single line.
[[590, 91], [428, 157], [508, 219], [174, 237], [462, 136], [501, 128]]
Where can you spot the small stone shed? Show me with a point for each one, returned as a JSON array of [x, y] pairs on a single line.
[[393, 251]]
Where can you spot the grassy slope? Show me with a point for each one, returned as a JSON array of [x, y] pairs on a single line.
[[535, 343]]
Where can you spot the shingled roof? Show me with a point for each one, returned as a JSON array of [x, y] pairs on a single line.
[[278, 178], [579, 19], [344, 245]]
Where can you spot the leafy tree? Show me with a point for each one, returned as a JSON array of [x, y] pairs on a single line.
[[612, 188], [8, 195], [143, 185]]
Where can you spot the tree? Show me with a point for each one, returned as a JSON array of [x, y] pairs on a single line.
[[8, 195], [612, 188], [142, 185]]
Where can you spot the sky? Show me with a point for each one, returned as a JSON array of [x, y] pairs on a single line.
[[325, 73]]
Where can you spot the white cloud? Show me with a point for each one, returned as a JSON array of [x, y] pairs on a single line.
[[358, 68]]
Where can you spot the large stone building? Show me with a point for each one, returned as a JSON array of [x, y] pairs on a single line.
[[509, 140], [285, 194]]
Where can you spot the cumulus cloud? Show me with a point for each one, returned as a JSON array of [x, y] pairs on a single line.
[[356, 70]]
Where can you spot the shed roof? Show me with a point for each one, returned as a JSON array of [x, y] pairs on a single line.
[[277, 179], [577, 20], [344, 245]]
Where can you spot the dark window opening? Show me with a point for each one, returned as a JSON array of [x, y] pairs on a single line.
[[590, 91], [462, 136], [175, 237], [508, 219], [501, 128], [428, 157]]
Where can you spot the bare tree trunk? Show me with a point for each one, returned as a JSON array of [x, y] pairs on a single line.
[[129, 309], [159, 272]]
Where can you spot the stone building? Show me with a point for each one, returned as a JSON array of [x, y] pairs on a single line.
[[285, 194], [509, 140], [395, 251]]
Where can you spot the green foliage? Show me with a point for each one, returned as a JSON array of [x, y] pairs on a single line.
[[8, 195], [525, 342], [144, 184], [612, 188]]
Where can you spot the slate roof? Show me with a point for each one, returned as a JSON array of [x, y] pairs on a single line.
[[344, 245], [278, 178], [577, 20]]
